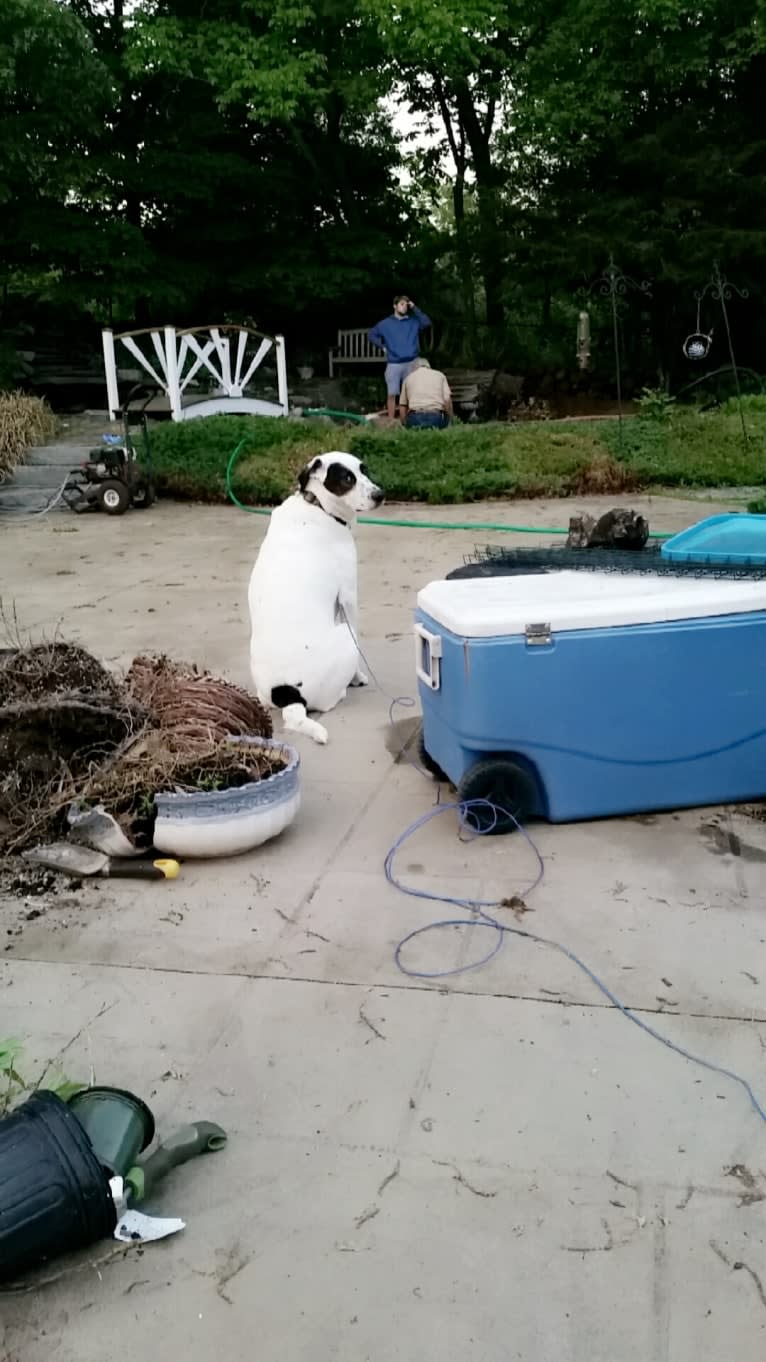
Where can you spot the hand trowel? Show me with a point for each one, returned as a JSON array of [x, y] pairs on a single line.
[[82, 861]]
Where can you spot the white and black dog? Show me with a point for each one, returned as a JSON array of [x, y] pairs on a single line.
[[303, 594]]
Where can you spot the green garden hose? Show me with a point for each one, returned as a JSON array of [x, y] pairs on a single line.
[[330, 411], [397, 524]]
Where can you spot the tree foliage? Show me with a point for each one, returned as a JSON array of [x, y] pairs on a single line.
[[45, 133], [238, 158]]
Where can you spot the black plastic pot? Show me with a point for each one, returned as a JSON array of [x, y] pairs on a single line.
[[54, 1196], [118, 1124]]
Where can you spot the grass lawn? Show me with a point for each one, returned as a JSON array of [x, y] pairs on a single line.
[[471, 462]]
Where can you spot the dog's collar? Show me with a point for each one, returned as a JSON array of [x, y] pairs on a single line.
[[314, 501]]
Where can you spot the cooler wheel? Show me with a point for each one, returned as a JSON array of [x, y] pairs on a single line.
[[427, 761], [508, 787]]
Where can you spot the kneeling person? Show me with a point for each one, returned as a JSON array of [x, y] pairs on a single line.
[[425, 399]]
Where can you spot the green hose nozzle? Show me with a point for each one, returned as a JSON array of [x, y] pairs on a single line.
[[199, 1137]]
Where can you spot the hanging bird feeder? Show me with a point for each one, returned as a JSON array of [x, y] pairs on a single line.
[[697, 345], [583, 340]]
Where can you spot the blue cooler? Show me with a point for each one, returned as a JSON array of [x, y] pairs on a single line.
[[578, 695]]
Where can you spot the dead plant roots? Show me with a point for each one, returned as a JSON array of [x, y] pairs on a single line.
[[72, 733]]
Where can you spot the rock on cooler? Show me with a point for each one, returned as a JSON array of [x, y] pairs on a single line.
[[576, 695]]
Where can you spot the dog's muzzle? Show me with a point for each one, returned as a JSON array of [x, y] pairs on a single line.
[[377, 496]]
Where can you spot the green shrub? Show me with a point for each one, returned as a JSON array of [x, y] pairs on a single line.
[[473, 463], [468, 462], [190, 457], [655, 404], [693, 448], [753, 405]]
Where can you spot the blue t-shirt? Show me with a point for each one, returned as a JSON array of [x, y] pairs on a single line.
[[400, 336]]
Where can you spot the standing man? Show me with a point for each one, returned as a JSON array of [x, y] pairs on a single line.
[[399, 336]]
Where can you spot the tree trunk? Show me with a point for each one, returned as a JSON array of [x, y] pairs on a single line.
[[463, 252], [456, 139], [545, 317], [492, 270], [337, 152]]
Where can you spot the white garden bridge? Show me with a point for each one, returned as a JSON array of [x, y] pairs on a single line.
[[201, 370]]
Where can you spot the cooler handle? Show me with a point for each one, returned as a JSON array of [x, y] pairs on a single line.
[[428, 652]]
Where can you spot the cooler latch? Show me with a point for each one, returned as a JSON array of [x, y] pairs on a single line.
[[537, 634], [428, 652]]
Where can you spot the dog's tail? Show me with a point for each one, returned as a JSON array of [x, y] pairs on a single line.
[[294, 713]]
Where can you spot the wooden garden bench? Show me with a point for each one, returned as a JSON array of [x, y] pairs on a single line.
[[355, 347]]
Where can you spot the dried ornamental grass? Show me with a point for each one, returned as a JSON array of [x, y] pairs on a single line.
[[24, 421]]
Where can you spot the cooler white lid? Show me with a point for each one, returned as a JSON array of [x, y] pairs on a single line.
[[485, 607]]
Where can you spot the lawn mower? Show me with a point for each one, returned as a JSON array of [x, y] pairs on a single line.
[[114, 477]]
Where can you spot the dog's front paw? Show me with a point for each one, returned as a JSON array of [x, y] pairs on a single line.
[[360, 680], [296, 720]]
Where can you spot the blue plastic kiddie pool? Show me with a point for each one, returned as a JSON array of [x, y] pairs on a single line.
[[724, 539]]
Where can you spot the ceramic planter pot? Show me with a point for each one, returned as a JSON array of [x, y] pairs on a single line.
[[213, 823]]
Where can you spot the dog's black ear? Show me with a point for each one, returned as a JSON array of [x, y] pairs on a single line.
[[305, 473]]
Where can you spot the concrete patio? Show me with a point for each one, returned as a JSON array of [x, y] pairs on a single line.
[[498, 1166]]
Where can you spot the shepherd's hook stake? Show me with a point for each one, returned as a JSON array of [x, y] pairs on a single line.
[[721, 290], [614, 284]]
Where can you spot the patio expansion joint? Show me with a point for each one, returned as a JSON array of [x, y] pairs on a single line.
[[368, 985]]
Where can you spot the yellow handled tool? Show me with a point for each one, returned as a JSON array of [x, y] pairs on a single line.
[[76, 860]]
